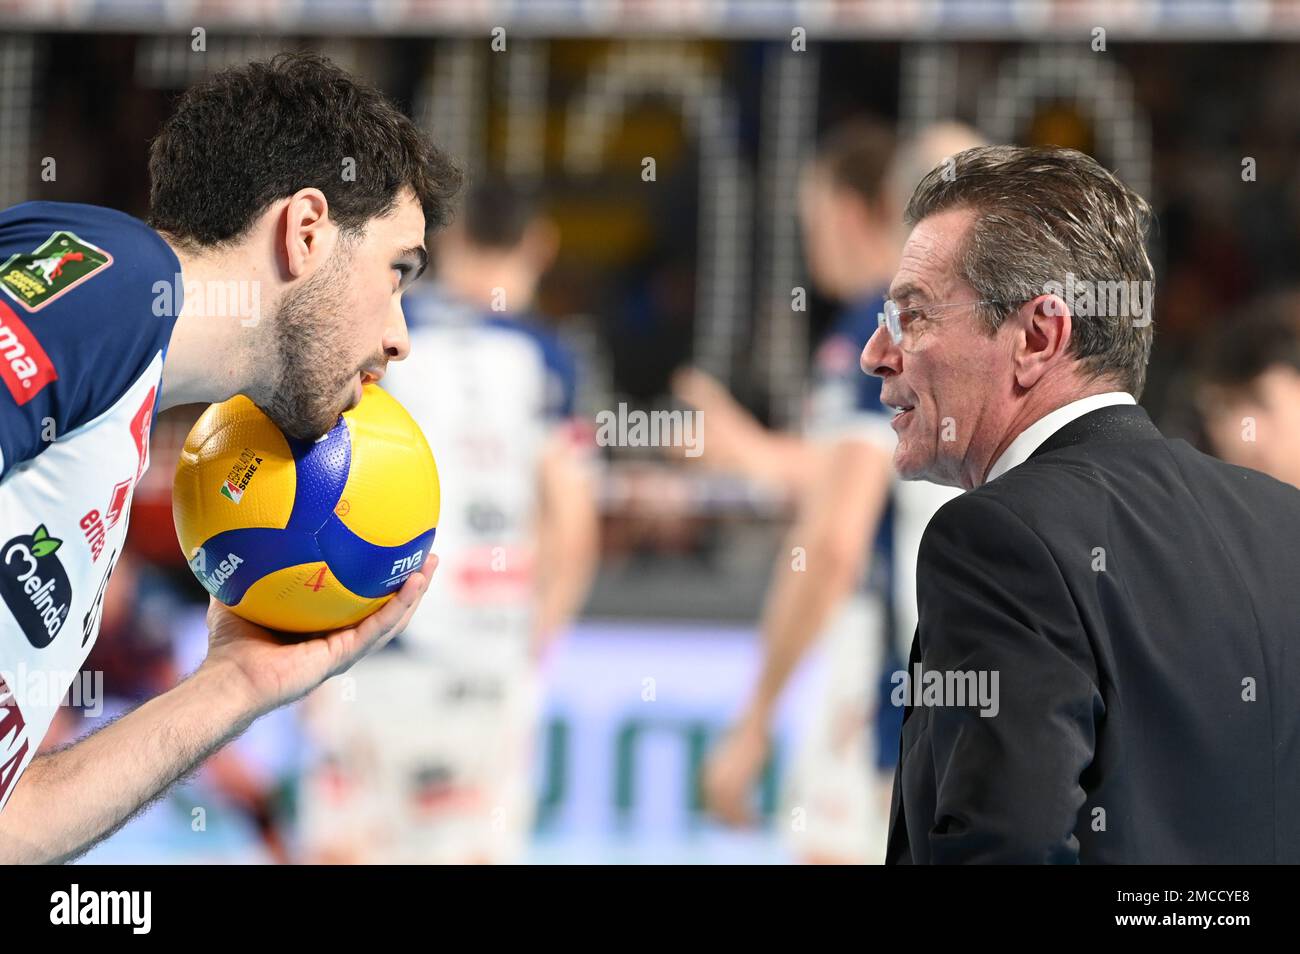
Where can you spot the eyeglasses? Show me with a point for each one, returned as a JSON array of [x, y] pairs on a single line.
[[897, 319]]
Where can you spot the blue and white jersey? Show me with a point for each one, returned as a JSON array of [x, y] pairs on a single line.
[[489, 391], [81, 357], [844, 404]]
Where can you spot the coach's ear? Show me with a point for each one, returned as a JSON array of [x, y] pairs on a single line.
[[309, 233], [1041, 330]]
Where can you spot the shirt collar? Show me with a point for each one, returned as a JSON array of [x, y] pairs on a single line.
[[1032, 437]]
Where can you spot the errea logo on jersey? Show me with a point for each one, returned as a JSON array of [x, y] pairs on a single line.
[[58, 265], [24, 365]]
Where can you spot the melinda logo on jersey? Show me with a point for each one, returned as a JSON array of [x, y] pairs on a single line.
[[35, 586]]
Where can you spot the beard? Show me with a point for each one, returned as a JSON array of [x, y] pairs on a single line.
[[309, 391]]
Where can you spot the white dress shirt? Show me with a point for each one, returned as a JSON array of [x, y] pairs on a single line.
[[1033, 436]]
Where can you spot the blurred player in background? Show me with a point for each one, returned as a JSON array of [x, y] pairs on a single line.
[[1249, 388], [427, 756], [846, 573]]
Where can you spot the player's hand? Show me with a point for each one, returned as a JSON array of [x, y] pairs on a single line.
[[729, 426], [733, 769], [705, 393], [277, 668]]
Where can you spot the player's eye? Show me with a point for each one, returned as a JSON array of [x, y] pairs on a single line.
[[402, 272]]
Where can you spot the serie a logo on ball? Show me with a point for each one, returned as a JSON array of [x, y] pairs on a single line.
[[306, 536]]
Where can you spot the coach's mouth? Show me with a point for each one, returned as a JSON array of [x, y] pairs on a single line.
[[899, 409]]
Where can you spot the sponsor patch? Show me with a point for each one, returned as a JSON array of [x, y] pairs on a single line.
[[58, 265], [35, 586], [24, 365], [140, 424], [96, 526]]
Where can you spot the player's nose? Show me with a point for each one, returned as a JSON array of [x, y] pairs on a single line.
[[397, 342]]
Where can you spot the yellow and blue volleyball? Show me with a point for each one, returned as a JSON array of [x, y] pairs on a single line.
[[306, 536]]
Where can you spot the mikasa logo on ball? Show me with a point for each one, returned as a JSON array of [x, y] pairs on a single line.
[[220, 573]]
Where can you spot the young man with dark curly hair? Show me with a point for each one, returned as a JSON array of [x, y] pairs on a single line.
[[288, 208]]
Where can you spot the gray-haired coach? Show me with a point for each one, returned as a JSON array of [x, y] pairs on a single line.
[[1134, 603]]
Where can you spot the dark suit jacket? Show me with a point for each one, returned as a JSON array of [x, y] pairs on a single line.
[[1148, 705]]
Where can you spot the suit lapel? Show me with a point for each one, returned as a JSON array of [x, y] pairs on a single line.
[[897, 850]]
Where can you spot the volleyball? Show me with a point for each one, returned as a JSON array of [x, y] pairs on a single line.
[[306, 536]]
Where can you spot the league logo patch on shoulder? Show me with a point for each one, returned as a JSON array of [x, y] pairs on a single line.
[[55, 267]]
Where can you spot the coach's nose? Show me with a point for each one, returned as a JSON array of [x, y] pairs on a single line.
[[881, 356]]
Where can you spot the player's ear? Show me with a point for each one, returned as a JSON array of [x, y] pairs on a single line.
[[309, 233]]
